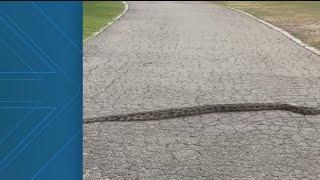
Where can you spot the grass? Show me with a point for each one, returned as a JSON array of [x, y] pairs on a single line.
[[97, 14], [299, 18]]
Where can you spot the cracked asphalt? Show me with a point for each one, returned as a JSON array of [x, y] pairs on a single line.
[[163, 55]]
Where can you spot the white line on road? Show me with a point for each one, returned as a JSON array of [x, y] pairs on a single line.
[[282, 31], [114, 20]]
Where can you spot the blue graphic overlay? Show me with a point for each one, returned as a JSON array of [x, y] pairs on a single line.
[[40, 90]]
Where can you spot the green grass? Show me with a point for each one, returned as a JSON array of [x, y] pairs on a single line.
[[300, 18], [97, 14]]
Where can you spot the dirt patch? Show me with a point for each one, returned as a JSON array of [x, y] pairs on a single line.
[[301, 19]]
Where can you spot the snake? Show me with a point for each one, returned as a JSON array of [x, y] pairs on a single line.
[[205, 109]]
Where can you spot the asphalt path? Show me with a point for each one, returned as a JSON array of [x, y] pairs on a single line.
[[163, 55]]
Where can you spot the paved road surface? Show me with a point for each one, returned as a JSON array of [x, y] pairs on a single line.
[[173, 54]]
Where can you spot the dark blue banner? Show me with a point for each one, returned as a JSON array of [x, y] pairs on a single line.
[[40, 90]]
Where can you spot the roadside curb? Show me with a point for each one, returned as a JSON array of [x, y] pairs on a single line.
[[282, 31], [110, 23]]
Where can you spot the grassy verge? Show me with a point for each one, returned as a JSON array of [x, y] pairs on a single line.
[[97, 14], [299, 18]]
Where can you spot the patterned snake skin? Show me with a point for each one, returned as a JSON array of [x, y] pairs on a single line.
[[196, 110]]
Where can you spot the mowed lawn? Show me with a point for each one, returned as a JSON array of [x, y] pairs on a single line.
[[97, 14], [299, 18]]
